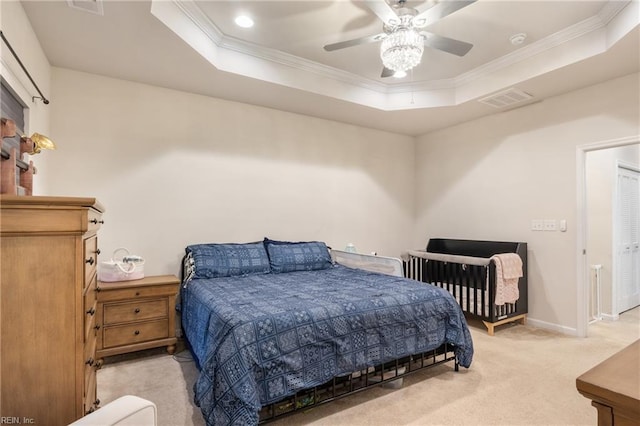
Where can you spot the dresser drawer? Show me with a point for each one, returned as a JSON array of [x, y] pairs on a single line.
[[94, 221], [89, 360], [90, 321], [115, 313], [90, 400], [134, 333], [90, 259]]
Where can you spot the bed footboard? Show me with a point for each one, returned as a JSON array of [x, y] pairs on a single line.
[[465, 269]]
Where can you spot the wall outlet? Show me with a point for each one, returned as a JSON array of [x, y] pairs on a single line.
[[537, 225], [550, 225]]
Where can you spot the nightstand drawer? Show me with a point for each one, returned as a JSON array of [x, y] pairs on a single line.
[[107, 291], [115, 313], [134, 333]]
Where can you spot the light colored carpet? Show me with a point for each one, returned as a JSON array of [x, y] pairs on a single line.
[[520, 376]]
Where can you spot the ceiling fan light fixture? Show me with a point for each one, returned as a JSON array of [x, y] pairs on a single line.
[[402, 49]]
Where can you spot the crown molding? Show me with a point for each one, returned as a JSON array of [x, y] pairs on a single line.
[[192, 12], [202, 21]]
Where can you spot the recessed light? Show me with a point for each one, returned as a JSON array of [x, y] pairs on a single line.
[[244, 21], [400, 74]]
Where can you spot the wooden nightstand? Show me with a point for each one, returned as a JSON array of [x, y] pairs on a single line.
[[136, 315]]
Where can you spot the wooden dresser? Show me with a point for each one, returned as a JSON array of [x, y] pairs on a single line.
[[137, 314], [48, 329], [614, 388]]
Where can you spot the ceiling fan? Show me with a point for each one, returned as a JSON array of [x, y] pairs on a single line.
[[403, 36]]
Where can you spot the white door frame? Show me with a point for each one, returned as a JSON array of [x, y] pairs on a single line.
[[581, 225]]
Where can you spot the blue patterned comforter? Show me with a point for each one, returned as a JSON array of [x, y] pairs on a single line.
[[260, 338]]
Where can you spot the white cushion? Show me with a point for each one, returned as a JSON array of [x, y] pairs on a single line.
[[127, 410]]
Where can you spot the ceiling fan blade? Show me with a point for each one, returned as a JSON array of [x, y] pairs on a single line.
[[386, 72], [439, 11], [354, 42], [383, 11], [446, 44]]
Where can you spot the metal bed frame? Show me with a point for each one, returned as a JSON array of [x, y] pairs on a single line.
[[340, 387]]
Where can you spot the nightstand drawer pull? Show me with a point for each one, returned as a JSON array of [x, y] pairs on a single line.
[[96, 221], [90, 261], [91, 311], [90, 410], [136, 310], [98, 251], [97, 402], [136, 332], [98, 365], [97, 327], [89, 362]]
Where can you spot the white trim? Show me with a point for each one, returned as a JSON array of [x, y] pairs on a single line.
[[610, 318], [551, 326], [581, 225]]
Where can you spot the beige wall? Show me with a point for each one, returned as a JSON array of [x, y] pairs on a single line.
[[601, 172], [174, 168], [488, 179]]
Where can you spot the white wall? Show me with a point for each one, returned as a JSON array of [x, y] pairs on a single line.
[[601, 177], [174, 168], [17, 30], [487, 179]]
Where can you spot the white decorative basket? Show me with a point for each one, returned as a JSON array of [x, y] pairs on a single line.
[[126, 268]]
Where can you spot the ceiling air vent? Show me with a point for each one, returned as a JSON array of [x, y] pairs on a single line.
[[91, 6], [506, 98]]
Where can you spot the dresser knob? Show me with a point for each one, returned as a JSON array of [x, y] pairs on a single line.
[[98, 365], [136, 310], [137, 293], [89, 361], [90, 261], [136, 332], [97, 402], [91, 410], [98, 251], [97, 327], [98, 289], [91, 311]]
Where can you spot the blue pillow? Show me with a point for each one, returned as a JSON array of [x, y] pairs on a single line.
[[285, 256], [228, 260]]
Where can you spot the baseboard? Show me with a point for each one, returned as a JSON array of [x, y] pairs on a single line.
[[609, 317], [553, 327]]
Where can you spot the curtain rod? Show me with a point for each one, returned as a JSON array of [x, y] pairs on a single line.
[[42, 97]]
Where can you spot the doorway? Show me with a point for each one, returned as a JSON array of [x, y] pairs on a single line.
[[595, 230]]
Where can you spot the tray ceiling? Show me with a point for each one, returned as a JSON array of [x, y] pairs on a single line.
[[195, 46]]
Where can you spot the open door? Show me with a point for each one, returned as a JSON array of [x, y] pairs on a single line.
[[627, 247]]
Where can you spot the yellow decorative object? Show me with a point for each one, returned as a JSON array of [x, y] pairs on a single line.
[[40, 142]]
